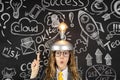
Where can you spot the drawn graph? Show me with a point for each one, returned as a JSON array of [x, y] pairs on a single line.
[[100, 72]]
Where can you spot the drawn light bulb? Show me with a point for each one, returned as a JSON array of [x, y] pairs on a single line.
[[62, 28], [16, 5]]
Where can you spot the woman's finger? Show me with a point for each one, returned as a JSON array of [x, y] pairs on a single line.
[[38, 56]]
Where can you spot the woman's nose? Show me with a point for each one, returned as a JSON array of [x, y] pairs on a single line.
[[62, 54]]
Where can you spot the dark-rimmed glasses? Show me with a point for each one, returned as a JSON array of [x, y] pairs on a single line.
[[64, 53]]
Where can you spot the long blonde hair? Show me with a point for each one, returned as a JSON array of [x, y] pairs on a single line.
[[51, 68]]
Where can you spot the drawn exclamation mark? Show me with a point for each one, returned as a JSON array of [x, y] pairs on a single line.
[[116, 28], [48, 33], [71, 17], [119, 27], [113, 27]]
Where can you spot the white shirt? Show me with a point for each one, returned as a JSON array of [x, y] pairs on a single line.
[[65, 73]]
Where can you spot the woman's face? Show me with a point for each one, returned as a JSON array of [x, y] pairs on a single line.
[[62, 58]]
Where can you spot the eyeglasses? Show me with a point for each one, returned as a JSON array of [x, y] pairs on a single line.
[[64, 53]]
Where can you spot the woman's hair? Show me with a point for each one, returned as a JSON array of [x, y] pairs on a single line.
[[51, 68]]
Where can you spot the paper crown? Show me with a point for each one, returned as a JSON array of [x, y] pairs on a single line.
[[61, 45]]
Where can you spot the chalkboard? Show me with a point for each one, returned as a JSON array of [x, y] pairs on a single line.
[[27, 26]]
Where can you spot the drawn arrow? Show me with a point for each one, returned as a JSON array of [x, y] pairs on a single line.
[[89, 60], [98, 54], [108, 59]]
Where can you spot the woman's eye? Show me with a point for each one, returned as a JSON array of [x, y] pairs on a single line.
[[58, 53], [66, 53]]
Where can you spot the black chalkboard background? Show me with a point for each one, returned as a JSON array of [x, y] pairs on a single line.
[[27, 26]]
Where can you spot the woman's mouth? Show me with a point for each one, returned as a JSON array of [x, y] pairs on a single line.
[[61, 62]]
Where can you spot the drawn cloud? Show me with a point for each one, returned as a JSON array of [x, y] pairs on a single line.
[[27, 27]]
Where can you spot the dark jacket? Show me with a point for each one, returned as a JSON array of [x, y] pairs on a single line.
[[55, 78]]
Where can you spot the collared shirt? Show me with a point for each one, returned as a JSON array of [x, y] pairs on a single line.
[[65, 73]]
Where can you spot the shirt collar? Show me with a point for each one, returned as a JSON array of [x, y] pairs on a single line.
[[65, 72]]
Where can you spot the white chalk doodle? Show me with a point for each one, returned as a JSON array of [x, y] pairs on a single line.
[[41, 38], [106, 16], [98, 6], [25, 70], [35, 11], [45, 54], [16, 5], [71, 5], [112, 44], [9, 42], [17, 48], [52, 40], [100, 72], [108, 59], [2, 33], [89, 60], [41, 48], [98, 54], [8, 73], [80, 46], [25, 66], [46, 35], [24, 75], [27, 27], [1, 6], [114, 29], [115, 10], [90, 27], [5, 20], [54, 19], [28, 46], [115, 7], [9, 52], [71, 17], [68, 36]]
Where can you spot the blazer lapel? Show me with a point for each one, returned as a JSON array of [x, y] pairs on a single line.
[[53, 78], [69, 76]]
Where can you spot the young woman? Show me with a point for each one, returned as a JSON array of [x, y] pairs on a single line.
[[61, 60]]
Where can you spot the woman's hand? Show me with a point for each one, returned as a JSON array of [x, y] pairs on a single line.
[[35, 67]]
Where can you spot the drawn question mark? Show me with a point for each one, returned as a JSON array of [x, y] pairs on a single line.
[[45, 52], [4, 19]]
